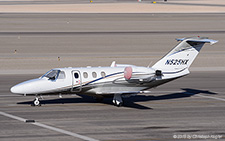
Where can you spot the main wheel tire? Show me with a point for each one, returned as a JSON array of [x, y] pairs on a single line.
[[120, 104]]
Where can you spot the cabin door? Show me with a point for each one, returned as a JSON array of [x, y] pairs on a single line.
[[76, 81]]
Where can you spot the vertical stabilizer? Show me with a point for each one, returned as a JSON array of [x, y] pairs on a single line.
[[182, 56]]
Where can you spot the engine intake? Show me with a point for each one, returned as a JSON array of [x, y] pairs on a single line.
[[128, 73]]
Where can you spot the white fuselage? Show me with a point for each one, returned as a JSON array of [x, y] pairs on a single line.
[[89, 80]]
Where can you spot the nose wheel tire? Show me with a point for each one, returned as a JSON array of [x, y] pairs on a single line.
[[36, 102]]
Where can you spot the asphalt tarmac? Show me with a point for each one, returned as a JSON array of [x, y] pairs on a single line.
[[35, 41], [190, 107]]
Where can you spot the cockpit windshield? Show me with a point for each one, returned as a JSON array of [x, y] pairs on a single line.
[[54, 75]]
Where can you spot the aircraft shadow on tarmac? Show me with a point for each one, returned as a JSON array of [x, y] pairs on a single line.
[[128, 102]]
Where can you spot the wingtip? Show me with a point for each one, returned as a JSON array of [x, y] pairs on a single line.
[[213, 42]]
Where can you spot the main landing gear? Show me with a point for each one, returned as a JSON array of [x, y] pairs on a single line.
[[36, 102], [117, 100]]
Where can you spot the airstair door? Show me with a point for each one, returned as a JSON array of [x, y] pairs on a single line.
[[76, 81]]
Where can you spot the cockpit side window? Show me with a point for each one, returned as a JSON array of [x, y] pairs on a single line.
[[61, 75]]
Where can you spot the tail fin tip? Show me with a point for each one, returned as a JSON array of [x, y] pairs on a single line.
[[198, 39]]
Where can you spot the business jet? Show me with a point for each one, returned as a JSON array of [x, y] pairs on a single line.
[[117, 80]]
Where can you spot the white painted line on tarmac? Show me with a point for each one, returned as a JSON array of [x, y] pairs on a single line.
[[216, 98], [64, 132], [11, 95], [50, 127], [12, 116]]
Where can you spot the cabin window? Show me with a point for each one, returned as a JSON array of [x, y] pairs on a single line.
[[94, 74], [85, 74], [76, 75], [61, 75], [103, 74]]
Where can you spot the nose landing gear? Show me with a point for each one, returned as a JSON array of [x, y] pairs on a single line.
[[36, 102]]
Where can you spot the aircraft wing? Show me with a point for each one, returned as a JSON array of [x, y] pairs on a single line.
[[124, 92]]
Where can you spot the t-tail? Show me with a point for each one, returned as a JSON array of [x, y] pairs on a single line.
[[179, 59]]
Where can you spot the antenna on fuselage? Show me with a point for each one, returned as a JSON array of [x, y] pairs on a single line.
[[149, 64], [113, 64]]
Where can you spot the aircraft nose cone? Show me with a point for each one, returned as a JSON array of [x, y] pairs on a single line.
[[27, 87], [16, 89], [13, 89]]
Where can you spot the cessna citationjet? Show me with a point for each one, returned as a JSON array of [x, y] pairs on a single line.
[[118, 80]]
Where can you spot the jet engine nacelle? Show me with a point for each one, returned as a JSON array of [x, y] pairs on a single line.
[[134, 74]]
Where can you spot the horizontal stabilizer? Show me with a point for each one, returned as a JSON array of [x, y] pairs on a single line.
[[200, 40]]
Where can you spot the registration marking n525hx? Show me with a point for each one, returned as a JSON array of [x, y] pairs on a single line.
[[177, 62]]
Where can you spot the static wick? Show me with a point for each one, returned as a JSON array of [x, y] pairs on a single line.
[[15, 51], [58, 58]]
